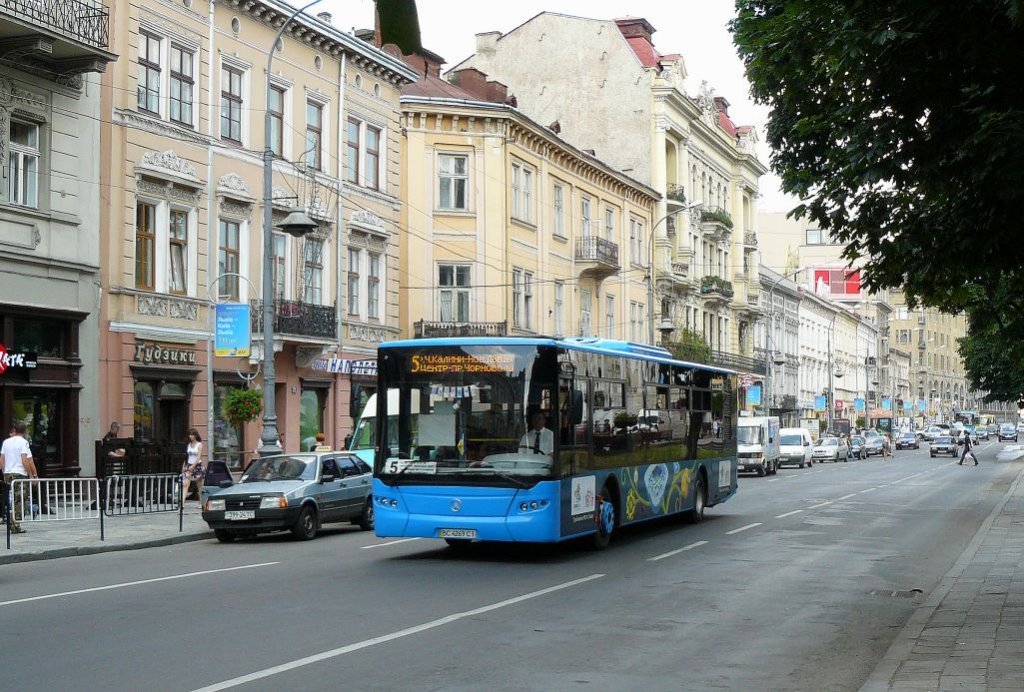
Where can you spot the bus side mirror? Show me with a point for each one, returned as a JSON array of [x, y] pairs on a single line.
[[576, 407]]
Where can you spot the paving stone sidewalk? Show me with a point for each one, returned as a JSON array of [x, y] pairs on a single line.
[[45, 540], [969, 633]]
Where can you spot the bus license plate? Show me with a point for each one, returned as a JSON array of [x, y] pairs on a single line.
[[457, 533], [240, 515]]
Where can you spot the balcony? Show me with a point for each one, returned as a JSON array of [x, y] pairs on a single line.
[[292, 318], [675, 196], [716, 288], [597, 257], [424, 329], [59, 38], [750, 240], [715, 222]]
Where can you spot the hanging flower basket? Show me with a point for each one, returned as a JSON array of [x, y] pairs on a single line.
[[243, 406]]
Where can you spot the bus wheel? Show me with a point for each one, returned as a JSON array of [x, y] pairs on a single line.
[[605, 522], [700, 501]]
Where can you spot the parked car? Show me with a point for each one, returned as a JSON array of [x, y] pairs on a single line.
[[293, 492], [830, 449], [873, 445], [1007, 431], [795, 447], [857, 446], [1020, 428], [943, 445], [907, 440]]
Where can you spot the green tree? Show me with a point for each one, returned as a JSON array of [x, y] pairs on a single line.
[[691, 346], [900, 126], [399, 23]]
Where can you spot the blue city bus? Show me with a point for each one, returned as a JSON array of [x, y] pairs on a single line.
[[545, 439]]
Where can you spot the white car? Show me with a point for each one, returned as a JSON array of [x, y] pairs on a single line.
[[795, 447], [830, 449]]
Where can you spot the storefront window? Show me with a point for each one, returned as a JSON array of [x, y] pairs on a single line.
[[227, 439], [145, 412], [311, 416], [45, 337]]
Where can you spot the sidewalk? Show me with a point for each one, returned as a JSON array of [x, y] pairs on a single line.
[[45, 540], [969, 633]]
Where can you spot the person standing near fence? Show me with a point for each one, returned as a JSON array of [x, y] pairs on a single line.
[[194, 468], [16, 464]]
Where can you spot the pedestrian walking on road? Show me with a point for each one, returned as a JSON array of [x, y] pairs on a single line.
[[886, 447], [968, 449], [194, 468], [16, 464]]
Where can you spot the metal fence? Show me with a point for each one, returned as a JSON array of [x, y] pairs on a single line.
[[141, 494], [55, 499]]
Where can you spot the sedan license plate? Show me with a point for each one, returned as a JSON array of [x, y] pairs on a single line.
[[240, 515], [457, 533]]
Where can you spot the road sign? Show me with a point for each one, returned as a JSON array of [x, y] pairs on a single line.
[[233, 334], [839, 404]]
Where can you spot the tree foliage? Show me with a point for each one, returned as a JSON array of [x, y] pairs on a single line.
[[399, 23], [691, 347], [900, 125]]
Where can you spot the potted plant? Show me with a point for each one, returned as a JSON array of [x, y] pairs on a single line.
[[243, 406]]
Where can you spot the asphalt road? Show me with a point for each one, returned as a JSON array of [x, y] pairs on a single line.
[[787, 586]]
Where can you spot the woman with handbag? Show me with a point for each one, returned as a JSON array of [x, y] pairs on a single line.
[[194, 468]]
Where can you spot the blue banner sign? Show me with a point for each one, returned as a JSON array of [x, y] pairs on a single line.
[[754, 395], [858, 404], [233, 333], [819, 403], [886, 404]]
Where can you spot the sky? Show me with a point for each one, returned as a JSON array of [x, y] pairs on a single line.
[[694, 28]]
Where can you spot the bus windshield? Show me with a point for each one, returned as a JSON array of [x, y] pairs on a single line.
[[485, 415]]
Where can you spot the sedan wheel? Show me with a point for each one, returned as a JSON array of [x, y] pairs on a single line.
[[305, 525], [366, 518]]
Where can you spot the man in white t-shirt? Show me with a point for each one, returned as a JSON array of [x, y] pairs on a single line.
[[16, 463]]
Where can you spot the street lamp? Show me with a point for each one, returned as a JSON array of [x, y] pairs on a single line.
[[298, 224], [650, 271], [777, 359]]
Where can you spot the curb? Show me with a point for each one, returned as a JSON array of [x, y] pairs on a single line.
[[75, 551], [903, 645]]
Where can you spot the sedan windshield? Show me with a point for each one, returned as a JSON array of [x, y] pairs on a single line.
[[944, 440], [281, 468], [829, 442]]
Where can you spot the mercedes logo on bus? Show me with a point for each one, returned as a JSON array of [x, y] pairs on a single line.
[[456, 505]]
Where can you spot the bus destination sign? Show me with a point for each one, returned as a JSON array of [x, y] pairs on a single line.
[[447, 364]]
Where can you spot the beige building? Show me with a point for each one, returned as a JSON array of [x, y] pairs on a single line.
[[182, 224], [511, 230], [608, 90]]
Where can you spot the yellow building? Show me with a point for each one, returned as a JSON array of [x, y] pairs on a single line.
[[183, 205], [511, 230]]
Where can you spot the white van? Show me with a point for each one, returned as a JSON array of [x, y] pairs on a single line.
[[757, 440], [795, 447]]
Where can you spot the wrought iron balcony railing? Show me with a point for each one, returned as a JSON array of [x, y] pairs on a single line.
[[716, 215], [716, 284], [750, 239], [298, 319], [424, 329], [675, 193], [82, 21], [594, 249]]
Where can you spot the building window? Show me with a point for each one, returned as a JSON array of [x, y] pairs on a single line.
[[177, 239], [528, 300], [453, 179], [815, 237], [314, 134], [276, 104], [636, 320], [522, 193], [280, 276], [609, 224], [182, 84], [559, 204], [145, 242], [453, 282], [559, 306], [312, 271], [373, 288], [585, 217], [609, 318], [372, 158], [231, 104], [228, 257], [517, 296], [149, 73], [23, 164], [354, 258], [585, 309], [632, 242], [352, 152]]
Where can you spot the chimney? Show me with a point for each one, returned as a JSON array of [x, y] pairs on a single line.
[[476, 83], [324, 17], [636, 27], [487, 42], [722, 104]]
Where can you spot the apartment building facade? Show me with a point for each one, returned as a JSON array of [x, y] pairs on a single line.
[[50, 224], [183, 212], [611, 92]]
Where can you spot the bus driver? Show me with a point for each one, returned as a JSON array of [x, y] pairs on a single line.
[[538, 439]]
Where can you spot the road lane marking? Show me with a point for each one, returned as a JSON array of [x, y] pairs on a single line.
[[677, 551], [381, 545], [743, 528], [774, 480], [845, 497], [788, 514], [868, 490], [408, 631], [820, 504], [122, 585]]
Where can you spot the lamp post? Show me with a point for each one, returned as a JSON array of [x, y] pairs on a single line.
[[769, 359], [830, 402], [650, 271], [298, 224]]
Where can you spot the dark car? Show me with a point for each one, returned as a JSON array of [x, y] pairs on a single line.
[[857, 446], [1007, 431], [873, 445], [293, 492], [943, 445], [907, 440]]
